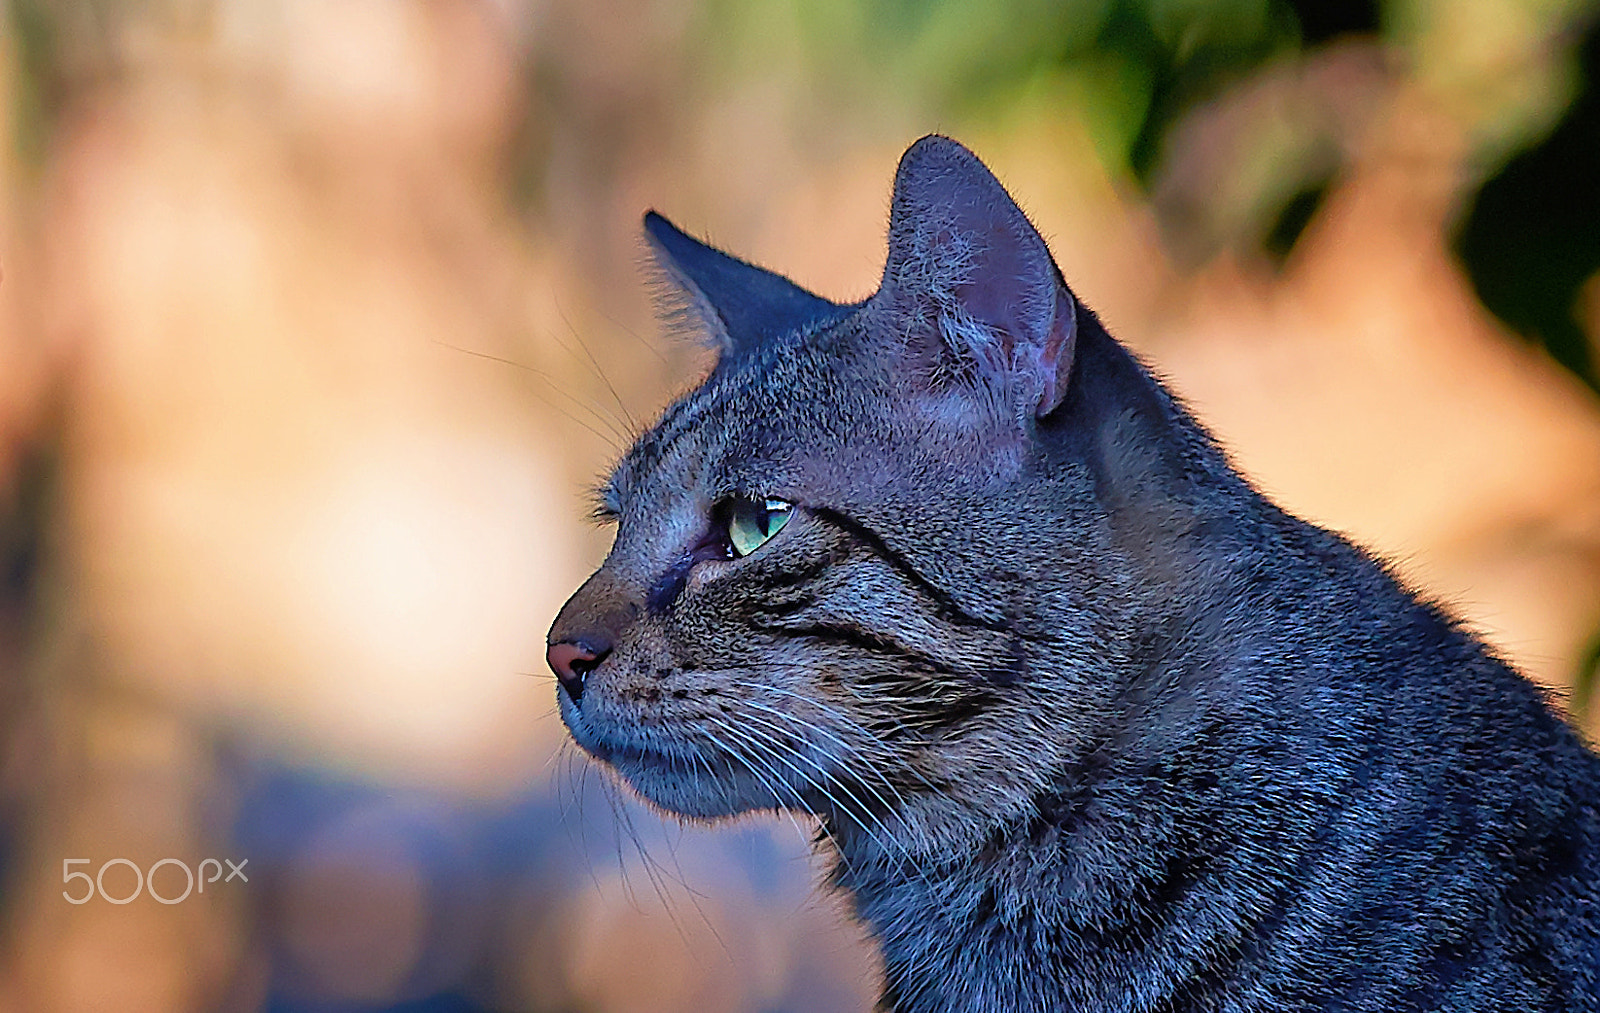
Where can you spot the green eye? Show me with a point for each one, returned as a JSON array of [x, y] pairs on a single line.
[[752, 522]]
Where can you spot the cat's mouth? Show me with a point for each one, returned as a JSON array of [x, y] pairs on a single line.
[[621, 755], [625, 749]]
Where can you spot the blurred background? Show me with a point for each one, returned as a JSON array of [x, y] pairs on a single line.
[[318, 317]]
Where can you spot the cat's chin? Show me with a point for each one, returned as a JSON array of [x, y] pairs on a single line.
[[681, 793], [676, 784], [675, 777]]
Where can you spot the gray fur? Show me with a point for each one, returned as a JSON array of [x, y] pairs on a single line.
[[1087, 722]]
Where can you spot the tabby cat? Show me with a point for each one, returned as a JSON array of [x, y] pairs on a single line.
[[1087, 723]]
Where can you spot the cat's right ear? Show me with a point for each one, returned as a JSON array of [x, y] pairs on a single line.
[[969, 286], [732, 305]]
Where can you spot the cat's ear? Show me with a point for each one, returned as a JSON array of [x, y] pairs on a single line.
[[968, 273], [734, 305]]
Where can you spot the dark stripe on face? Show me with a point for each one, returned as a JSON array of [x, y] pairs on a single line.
[[669, 586], [870, 539], [868, 642], [787, 592]]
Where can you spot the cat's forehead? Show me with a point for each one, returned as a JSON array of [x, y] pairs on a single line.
[[748, 426]]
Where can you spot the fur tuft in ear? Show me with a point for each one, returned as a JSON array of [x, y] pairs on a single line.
[[735, 305], [966, 267]]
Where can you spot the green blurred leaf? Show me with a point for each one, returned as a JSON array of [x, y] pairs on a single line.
[[1530, 240]]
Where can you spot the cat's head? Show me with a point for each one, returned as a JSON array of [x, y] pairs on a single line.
[[855, 571]]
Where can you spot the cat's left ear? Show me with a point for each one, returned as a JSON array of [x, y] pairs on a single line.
[[736, 306], [969, 275]]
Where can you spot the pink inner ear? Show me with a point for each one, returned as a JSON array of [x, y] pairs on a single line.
[[961, 253], [1011, 286], [997, 289], [1055, 360]]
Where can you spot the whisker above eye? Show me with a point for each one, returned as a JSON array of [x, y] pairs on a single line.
[[616, 435]]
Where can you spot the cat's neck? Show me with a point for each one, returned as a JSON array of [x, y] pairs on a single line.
[[1112, 828], [1080, 884]]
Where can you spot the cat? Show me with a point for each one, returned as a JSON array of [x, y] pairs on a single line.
[[1086, 722]]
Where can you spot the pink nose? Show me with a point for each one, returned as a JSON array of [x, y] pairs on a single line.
[[572, 661]]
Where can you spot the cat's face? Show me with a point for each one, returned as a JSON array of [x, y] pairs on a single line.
[[768, 647], [821, 592]]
